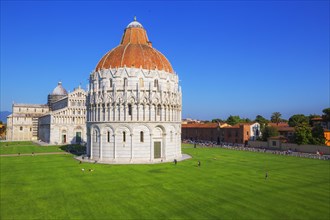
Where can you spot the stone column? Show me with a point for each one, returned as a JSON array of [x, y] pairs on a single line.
[[137, 112], [114, 146], [109, 111], [132, 147], [163, 156], [151, 148], [91, 148], [125, 111], [100, 146]]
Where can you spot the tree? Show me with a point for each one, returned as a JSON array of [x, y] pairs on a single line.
[[268, 132], [303, 134], [245, 120], [276, 117], [326, 114], [232, 120], [262, 121], [297, 120], [217, 120], [318, 135]]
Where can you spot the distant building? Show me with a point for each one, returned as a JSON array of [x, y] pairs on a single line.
[[189, 121], [22, 124], [221, 133], [325, 125], [66, 123], [284, 130], [62, 120]]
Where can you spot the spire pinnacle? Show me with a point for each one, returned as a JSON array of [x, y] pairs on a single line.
[[134, 18]]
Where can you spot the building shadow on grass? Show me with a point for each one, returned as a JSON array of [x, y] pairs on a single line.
[[75, 149]]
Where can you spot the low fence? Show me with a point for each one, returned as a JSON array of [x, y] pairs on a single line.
[[293, 147]]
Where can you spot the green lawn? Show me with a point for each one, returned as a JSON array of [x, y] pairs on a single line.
[[25, 147], [228, 185]]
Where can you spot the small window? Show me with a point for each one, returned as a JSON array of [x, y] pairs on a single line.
[[35, 110], [158, 110], [108, 137], [125, 82], [30, 129], [110, 81], [129, 109], [171, 136], [156, 83], [124, 136], [274, 143], [21, 128], [141, 136]]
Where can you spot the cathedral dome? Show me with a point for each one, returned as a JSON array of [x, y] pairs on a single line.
[[59, 90], [135, 50]]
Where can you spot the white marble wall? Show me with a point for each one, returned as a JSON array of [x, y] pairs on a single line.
[[132, 100]]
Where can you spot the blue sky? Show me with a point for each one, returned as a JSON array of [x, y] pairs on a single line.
[[233, 57]]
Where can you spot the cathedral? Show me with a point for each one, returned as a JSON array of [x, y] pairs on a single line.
[[134, 104], [61, 121]]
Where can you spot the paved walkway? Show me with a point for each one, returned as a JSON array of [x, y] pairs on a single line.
[[30, 154]]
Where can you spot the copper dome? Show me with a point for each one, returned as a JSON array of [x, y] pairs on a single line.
[[135, 50]]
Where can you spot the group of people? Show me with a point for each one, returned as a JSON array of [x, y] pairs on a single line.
[[318, 155]]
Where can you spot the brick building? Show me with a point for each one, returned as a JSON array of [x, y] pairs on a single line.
[[221, 133]]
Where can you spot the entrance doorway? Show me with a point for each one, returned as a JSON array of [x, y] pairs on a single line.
[[78, 137], [63, 138], [157, 149]]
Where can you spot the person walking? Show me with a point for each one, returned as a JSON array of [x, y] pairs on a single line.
[[266, 175], [175, 161]]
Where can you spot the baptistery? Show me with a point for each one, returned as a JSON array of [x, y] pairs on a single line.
[[134, 104]]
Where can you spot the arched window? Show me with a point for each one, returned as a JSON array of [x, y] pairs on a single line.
[[125, 83], [129, 109], [141, 82], [141, 136], [124, 136], [95, 136], [156, 83], [158, 109], [108, 136]]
